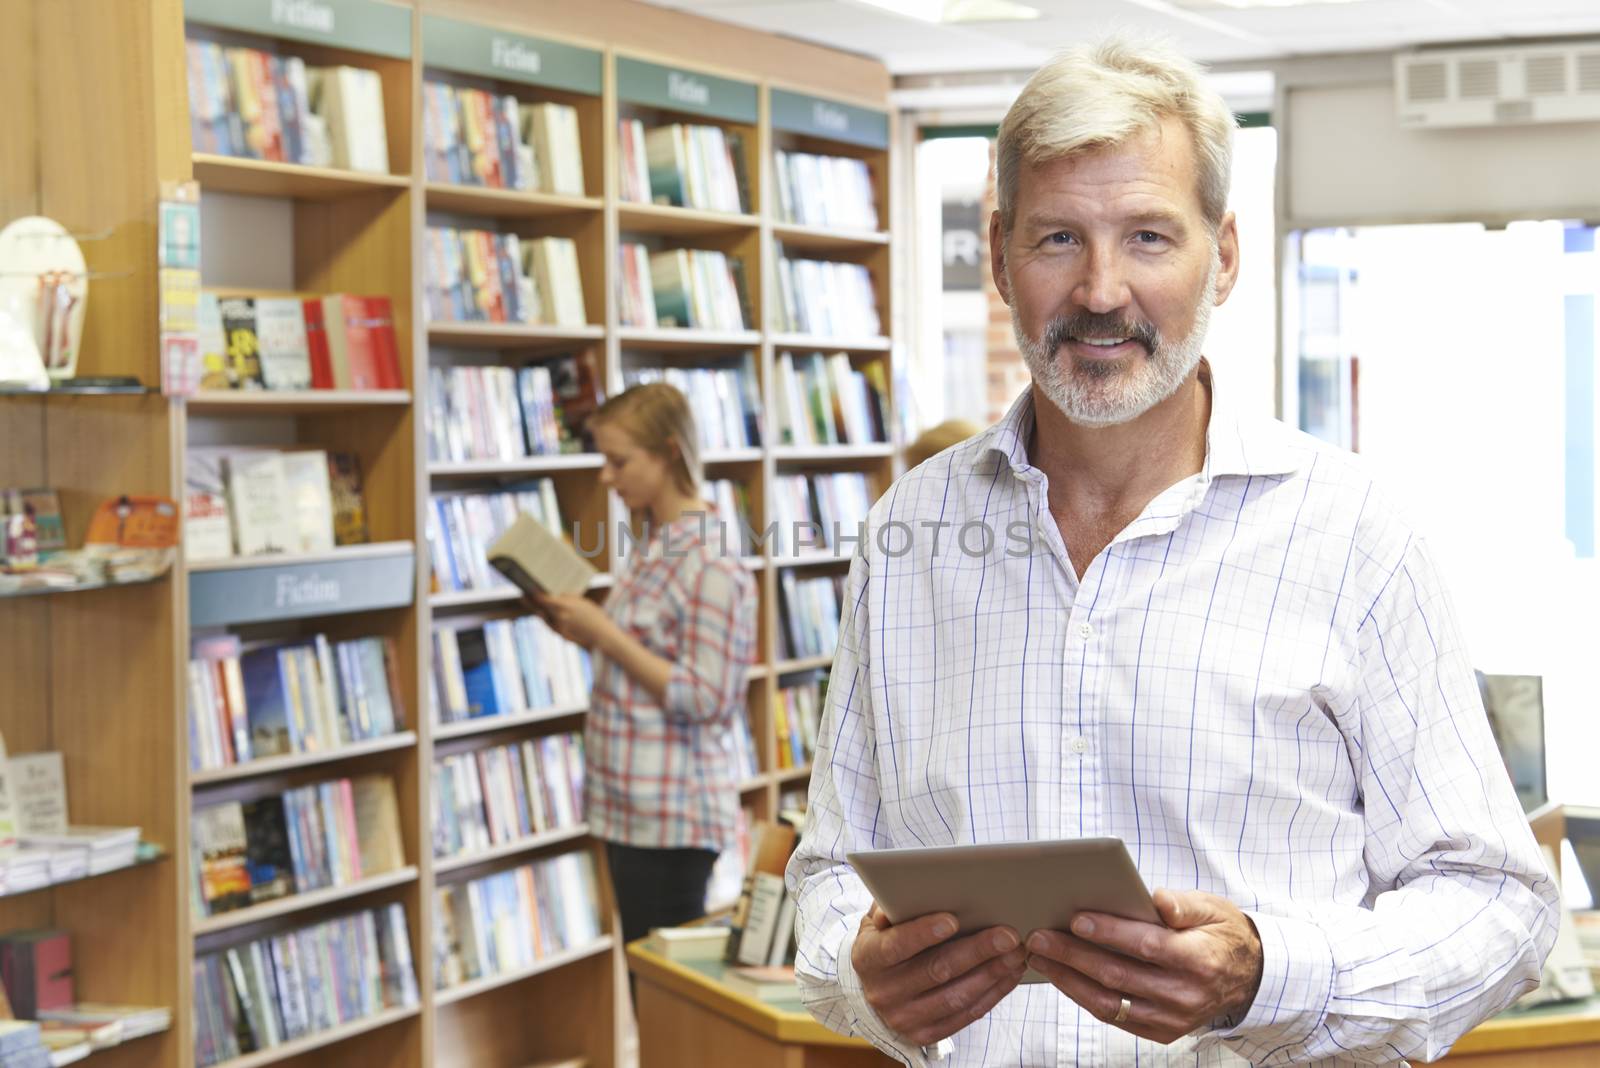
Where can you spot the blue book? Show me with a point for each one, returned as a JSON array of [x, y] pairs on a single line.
[[266, 701]]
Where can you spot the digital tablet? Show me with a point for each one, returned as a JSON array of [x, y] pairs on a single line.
[[1028, 886]]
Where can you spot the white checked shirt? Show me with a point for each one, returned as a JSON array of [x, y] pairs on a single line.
[[1258, 685]]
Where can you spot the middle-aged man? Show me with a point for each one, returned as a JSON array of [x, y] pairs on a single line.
[[1125, 610]]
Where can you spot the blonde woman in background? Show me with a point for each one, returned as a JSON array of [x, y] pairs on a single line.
[[936, 439], [674, 641]]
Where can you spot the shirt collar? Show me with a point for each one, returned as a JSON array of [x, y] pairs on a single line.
[[1236, 443]]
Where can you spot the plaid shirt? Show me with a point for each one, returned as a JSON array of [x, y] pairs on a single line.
[[664, 775], [1258, 685]]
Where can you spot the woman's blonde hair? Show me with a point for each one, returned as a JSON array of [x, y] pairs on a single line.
[[936, 439], [1101, 96], [657, 417]]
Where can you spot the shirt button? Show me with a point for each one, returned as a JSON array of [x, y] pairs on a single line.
[[1080, 745], [1085, 631]]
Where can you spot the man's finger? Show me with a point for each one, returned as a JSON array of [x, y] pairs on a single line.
[[944, 964], [897, 944], [1111, 970], [1184, 909], [1135, 938], [943, 1011], [1146, 1018]]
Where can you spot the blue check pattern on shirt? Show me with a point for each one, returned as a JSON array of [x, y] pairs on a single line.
[[1258, 685]]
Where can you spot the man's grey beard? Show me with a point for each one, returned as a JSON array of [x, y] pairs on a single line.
[[1105, 393]]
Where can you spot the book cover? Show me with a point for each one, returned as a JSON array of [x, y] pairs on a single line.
[[258, 502], [285, 355], [268, 862], [377, 819], [317, 354], [538, 560], [241, 346], [207, 525], [223, 845], [310, 495], [349, 501], [38, 787]]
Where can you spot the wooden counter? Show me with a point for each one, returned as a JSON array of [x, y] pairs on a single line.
[[1552, 1036]]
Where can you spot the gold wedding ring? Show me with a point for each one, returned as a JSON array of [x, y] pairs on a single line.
[[1122, 1011]]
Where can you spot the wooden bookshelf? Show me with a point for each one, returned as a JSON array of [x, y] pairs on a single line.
[[104, 678]]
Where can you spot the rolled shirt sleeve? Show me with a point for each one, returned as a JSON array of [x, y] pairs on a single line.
[[719, 628]]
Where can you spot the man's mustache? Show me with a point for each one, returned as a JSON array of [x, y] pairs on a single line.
[[1064, 328]]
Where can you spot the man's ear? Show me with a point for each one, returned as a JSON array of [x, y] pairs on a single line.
[[997, 256]]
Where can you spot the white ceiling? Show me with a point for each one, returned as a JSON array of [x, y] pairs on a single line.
[[1208, 31]]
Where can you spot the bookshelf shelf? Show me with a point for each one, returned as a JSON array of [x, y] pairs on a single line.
[[827, 343], [816, 559], [752, 785], [153, 855], [818, 239], [675, 339], [509, 335], [279, 764], [805, 663], [731, 456], [8, 590], [295, 402], [783, 776], [316, 1041], [492, 724], [69, 388], [453, 995], [506, 203], [533, 465], [446, 865], [373, 551], [682, 222], [758, 673], [254, 177], [287, 906], [821, 454]]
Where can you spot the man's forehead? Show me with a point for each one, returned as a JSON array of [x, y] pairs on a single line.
[[1151, 172]]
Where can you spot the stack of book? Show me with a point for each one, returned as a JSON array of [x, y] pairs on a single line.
[[695, 288], [281, 698], [725, 398], [809, 613], [98, 1026], [326, 834], [507, 793], [763, 917], [480, 276], [685, 166], [827, 298], [817, 512], [339, 341], [831, 192], [462, 526], [471, 137], [253, 104], [288, 986], [79, 851], [513, 919], [796, 714], [506, 666], [823, 400], [241, 501], [39, 845]]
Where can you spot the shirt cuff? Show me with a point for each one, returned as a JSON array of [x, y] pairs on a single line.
[[864, 1020], [1292, 1000]]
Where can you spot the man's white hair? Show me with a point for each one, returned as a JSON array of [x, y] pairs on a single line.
[[1101, 96]]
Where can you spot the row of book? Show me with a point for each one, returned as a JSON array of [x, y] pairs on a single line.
[[243, 501], [693, 288], [683, 165], [730, 502], [833, 504], [808, 614], [826, 298], [746, 761], [827, 400], [513, 919], [257, 105], [331, 833], [506, 793], [472, 137], [477, 276], [275, 990], [495, 413], [506, 666], [462, 526], [724, 396], [338, 341], [831, 192], [796, 714], [275, 699]]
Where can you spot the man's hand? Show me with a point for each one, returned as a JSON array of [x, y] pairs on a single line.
[[1205, 963], [925, 987]]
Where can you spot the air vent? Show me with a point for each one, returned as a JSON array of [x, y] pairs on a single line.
[[1478, 78], [1513, 111], [1588, 72], [1546, 75], [1426, 81]]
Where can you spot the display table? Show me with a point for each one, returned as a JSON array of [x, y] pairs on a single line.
[[689, 1019]]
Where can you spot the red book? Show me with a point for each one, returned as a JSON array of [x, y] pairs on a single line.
[[350, 343], [317, 346], [380, 318], [37, 969]]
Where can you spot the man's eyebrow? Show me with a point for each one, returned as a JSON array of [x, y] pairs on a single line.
[[1158, 217]]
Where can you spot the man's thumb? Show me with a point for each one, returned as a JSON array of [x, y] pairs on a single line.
[[1183, 909]]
